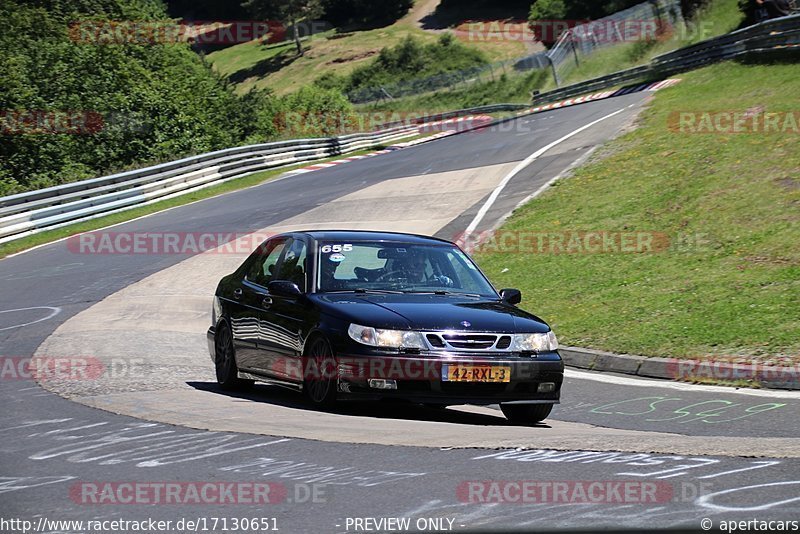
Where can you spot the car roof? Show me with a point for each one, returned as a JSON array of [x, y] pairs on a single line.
[[363, 235]]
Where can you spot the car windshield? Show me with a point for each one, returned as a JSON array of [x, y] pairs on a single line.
[[408, 268]]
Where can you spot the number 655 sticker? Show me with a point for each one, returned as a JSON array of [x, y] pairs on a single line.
[[327, 249]]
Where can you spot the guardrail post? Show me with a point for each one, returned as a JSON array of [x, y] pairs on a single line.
[[574, 49], [555, 71]]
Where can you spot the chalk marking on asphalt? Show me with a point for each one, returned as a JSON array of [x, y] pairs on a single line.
[[522, 165], [55, 311], [680, 386], [706, 501]]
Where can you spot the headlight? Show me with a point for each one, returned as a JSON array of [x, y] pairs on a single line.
[[395, 339], [535, 342]]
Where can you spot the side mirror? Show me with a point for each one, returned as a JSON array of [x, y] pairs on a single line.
[[511, 296], [284, 288]]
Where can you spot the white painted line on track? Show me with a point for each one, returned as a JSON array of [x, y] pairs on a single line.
[[522, 165], [680, 386]]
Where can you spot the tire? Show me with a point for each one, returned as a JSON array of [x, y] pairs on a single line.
[[320, 372], [225, 362], [526, 413]]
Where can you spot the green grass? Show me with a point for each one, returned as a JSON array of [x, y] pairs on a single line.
[[712, 20], [278, 67], [509, 89], [716, 18], [49, 236], [737, 291]]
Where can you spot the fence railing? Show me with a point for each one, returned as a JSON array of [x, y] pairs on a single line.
[[773, 36], [584, 40]]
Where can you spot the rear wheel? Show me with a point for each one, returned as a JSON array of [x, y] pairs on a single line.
[[526, 413], [225, 362], [320, 372]]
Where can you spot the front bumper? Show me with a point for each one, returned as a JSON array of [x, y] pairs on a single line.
[[418, 378]]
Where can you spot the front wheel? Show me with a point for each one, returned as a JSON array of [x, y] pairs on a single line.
[[225, 362], [526, 413], [320, 372]]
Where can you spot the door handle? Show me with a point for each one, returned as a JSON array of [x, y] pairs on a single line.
[[237, 293], [267, 302]]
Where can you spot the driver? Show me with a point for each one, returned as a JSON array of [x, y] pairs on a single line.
[[413, 266]]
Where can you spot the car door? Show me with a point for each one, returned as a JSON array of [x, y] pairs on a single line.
[[249, 300], [287, 320]]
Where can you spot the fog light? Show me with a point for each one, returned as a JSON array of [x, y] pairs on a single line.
[[547, 387], [379, 383]]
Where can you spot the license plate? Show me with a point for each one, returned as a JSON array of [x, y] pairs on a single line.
[[475, 373]]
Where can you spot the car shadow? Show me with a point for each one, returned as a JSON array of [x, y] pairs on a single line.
[[385, 409]]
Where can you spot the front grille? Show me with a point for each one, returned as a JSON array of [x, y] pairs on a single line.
[[435, 341], [470, 341]]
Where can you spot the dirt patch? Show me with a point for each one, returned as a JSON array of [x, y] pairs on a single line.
[[791, 184], [353, 57]]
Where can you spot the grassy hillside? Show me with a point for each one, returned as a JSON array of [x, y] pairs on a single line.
[[729, 204], [277, 67], [715, 18]]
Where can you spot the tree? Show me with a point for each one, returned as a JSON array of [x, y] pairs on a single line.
[[288, 12]]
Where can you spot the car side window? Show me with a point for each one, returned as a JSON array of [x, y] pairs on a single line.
[[262, 270], [294, 265]]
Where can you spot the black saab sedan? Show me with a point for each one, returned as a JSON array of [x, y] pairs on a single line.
[[369, 315]]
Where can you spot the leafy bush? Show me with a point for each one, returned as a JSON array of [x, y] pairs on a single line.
[[577, 9], [155, 102], [412, 60]]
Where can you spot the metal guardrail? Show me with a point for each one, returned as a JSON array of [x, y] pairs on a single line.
[[31, 212], [582, 40], [767, 37]]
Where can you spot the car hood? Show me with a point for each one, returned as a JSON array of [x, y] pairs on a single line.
[[431, 313]]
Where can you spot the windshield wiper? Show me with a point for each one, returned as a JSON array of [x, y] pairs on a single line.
[[378, 291], [362, 290], [444, 292]]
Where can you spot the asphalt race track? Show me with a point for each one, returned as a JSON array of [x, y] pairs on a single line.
[[158, 417]]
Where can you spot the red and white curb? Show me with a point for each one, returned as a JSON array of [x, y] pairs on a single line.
[[450, 127], [457, 125], [652, 86]]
